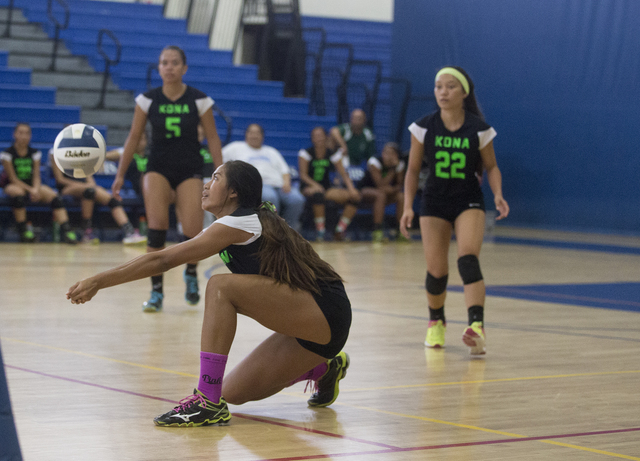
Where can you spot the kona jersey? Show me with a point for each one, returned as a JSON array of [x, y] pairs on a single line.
[[452, 157], [23, 166], [320, 168], [242, 258], [376, 162], [174, 138]]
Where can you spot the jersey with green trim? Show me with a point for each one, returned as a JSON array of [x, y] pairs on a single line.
[[452, 157], [23, 166], [242, 258], [174, 135], [320, 168]]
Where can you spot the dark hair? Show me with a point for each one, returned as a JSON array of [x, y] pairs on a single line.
[[179, 50], [284, 255], [395, 147], [470, 102]]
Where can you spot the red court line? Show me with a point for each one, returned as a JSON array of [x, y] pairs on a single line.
[[454, 445], [390, 448], [253, 418]]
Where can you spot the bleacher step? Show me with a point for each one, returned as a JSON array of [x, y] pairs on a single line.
[[71, 80], [43, 61]]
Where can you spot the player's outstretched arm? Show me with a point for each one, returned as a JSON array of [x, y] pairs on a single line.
[[209, 242]]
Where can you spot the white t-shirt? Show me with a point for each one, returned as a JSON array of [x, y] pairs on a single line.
[[267, 160]]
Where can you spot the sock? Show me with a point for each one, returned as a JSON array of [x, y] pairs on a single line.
[[437, 314], [65, 227], [127, 229], [191, 269], [156, 283], [476, 314], [87, 224], [314, 374], [22, 227], [211, 373], [343, 224], [319, 224], [378, 226]]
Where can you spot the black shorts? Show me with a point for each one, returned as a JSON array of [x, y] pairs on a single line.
[[176, 176], [450, 208], [335, 306]]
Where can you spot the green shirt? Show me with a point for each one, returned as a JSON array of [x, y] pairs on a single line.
[[361, 146]]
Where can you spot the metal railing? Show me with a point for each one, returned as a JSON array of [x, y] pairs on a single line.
[[404, 104], [108, 62], [7, 30], [59, 26]]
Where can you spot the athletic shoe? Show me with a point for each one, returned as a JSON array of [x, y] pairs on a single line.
[[69, 237], [435, 334], [134, 239], [328, 388], [377, 236], [27, 237], [320, 236], [192, 295], [155, 302], [340, 237], [196, 410], [89, 237], [473, 337], [401, 238]]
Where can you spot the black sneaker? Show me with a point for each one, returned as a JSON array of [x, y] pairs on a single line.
[[196, 410], [191, 294], [328, 389], [69, 237], [27, 236]]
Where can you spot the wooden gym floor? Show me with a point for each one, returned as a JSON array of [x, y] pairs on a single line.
[[561, 379]]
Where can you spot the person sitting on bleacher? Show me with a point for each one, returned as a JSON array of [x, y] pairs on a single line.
[[383, 184], [21, 181], [138, 167], [88, 192], [315, 164], [275, 173], [356, 139]]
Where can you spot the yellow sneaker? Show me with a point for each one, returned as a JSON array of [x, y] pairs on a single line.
[[435, 334], [473, 337]]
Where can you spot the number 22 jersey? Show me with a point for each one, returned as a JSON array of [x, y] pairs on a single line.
[[452, 157]]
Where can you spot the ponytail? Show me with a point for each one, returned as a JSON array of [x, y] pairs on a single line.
[[287, 257]]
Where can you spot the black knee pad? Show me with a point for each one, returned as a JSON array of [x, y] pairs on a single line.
[[156, 238], [436, 286], [469, 268], [317, 198], [89, 193], [114, 203], [19, 201], [56, 203]]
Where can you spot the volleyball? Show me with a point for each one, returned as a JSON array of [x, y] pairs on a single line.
[[79, 150]]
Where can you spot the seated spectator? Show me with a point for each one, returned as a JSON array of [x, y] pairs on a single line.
[[89, 192], [356, 140], [276, 176], [138, 167], [315, 165], [21, 181], [383, 184]]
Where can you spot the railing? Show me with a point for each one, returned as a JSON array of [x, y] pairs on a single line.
[[371, 88], [108, 62], [7, 31], [404, 104], [59, 27]]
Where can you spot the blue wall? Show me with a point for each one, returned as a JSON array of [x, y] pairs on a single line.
[[560, 82]]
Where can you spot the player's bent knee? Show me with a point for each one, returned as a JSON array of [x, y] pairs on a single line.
[[18, 201], [56, 203], [436, 285], [317, 198], [469, 268], [114, 203]]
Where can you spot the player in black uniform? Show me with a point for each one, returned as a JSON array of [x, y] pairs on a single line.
[[382, 185], [174, 168], [21, 181], [457, 144], [315, 165], [277, 279]]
